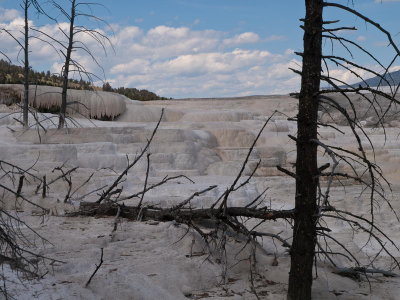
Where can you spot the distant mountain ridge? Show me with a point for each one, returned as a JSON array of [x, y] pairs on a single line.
[[392, 78]]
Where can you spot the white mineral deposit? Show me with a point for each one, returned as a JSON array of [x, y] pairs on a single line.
[[207, 141]]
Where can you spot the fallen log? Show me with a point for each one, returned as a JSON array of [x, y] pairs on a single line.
[[168, 214], [356, 272]]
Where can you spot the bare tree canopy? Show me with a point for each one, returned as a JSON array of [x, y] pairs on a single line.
[[74, 42], [24, 46], [309, 233]]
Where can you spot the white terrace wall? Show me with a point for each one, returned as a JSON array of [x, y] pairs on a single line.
[[91, 104]]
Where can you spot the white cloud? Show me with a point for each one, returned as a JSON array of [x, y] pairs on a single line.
[[213, 63], [289, 51], [135, 66], [244, 38], [8, 14], [175, 61], [181, 62]]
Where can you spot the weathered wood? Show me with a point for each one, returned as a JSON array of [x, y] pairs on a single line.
[[67, 64], [304, 230], [25, 105], [44, 187], [20, 185], [97, 268], [356, 272], [151, 213]]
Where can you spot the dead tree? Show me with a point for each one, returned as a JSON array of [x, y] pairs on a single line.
[[310, 202], [72, 44], [65, 72], [305, 218], [16, 243], [25, 108], [26, 4], [24, 45]]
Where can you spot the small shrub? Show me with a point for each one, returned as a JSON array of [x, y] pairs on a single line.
[[9, 96]]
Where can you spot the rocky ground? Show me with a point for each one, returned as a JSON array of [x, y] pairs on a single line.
[[207, 141]]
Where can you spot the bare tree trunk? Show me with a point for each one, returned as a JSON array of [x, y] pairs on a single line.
[[26, 66], [63, 108], [304, 231]]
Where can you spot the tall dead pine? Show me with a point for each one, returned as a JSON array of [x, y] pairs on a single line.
[[304, 231], [67, 62]]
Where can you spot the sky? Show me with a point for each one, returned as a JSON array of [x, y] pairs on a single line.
[[202, 48]]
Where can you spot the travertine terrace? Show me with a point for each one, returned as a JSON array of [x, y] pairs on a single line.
[[206, 140]]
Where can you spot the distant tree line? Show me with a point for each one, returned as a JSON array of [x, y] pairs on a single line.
[[13, 74], [133, 93]]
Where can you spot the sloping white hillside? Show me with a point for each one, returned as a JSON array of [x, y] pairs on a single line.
[[91, 104], [206, 140]]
